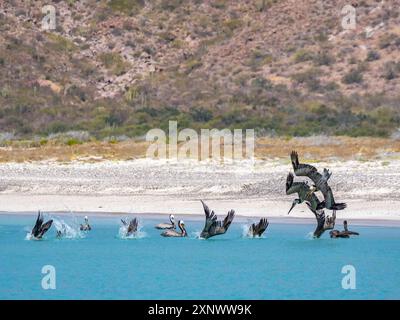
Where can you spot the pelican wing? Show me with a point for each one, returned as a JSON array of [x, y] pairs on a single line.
[[36, 228], [304, 170], [133, 225], [320, 181], [323, 223], [219, 227], [303, 191], [211, 217], [45, 227], [259, 228]]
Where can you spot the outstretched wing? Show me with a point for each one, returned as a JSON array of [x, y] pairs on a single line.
[[329, 200], [45, 227], [258, 229], [293, 187], [222, 227], [133, 225], [36, 228], [304, 170], [323, 223], [211, 217]]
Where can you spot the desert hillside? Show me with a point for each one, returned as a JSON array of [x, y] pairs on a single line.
[[119, 68]]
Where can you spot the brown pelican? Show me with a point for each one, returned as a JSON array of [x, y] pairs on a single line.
[[167, 225], [343, 234], [40, 228], [86, 226], [174, 233], [213, 227], [304, 193], [323, 223], [256, 230], [320, 182], [132, 226]]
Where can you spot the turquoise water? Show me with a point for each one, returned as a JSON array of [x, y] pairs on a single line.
[[286, 264]]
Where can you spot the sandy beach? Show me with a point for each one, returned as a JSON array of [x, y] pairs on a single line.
[[143, 186]]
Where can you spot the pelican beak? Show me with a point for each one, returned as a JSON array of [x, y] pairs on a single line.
[[291, 208]]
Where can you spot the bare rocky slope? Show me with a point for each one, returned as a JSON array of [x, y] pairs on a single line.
[[121, 67]]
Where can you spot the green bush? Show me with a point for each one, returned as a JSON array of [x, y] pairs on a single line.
[[115, 63], [302, 55], [373, 55], [353, 76], [391, 70], [127, 7]]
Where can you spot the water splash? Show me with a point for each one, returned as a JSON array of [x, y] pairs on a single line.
[[246, 234], [139, 234], [196, 234], [66, 231]]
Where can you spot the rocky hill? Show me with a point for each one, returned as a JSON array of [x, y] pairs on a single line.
[[121, 67]]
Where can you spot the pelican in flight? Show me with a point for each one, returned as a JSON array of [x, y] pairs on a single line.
[[324, 223], [167, 225], [304, 193], [86, 226], [40, 228], [132, 226], [174, 233], [320, 182], [346, 233], [213, 227], [256, 230]]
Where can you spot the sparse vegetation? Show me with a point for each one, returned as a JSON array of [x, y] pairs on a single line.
[[114, 62]]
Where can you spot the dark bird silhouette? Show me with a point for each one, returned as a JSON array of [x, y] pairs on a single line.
[[132, 226], [212, 226], [320, 181], [324, 223], [174, 233], [256, 230], [304, 193], [40, 228]]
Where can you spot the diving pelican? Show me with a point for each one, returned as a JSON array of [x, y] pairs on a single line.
[[86, 226], [132, 226], [256, 230], [174, 233], [213, 227], [167, 225], [40, 228], [304, 193], [320, 182], [324, 223]]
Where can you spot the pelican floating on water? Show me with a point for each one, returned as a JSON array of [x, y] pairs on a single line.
[[213, 227], [132, 226], [167, 225], [86, 226], [40, 228], [320, 182], [174, 233], [346, 233], [256, 230]]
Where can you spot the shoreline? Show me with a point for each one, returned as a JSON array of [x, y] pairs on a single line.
[[371, 213], [371, 189]]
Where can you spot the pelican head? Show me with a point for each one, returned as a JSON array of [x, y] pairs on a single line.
[[86, 219], [172, 219], [181, 225]]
